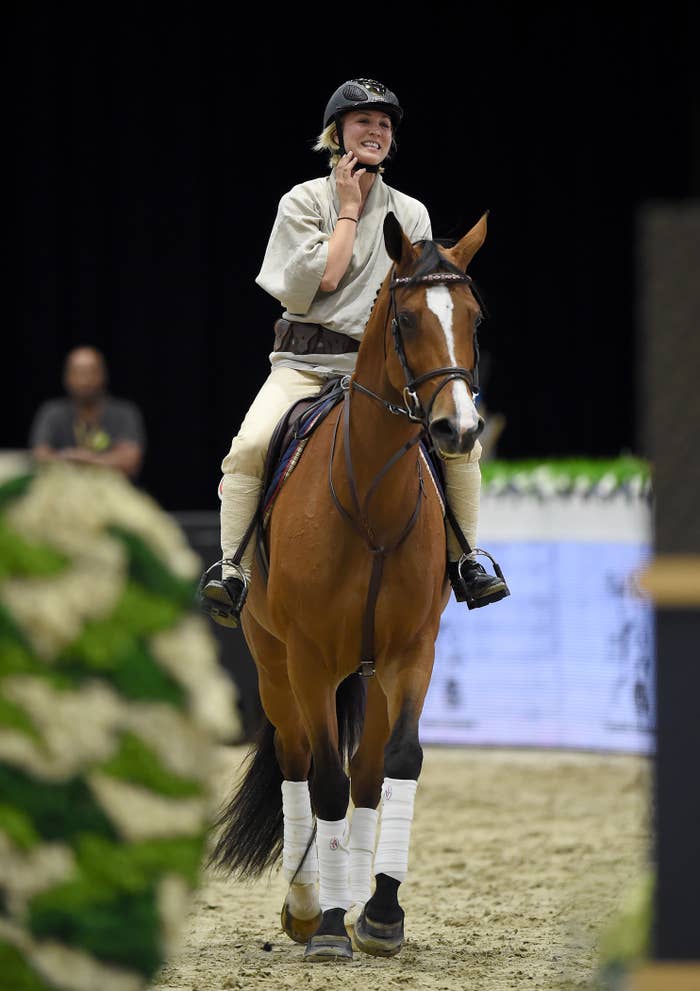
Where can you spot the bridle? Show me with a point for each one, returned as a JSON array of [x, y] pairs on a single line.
[[414, 411], [412, 407]]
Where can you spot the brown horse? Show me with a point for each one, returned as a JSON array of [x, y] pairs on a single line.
[[343, 628]]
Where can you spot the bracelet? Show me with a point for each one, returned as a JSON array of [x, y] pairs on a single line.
[[354, 219]]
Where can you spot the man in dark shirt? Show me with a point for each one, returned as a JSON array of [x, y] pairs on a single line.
[[90, 426]]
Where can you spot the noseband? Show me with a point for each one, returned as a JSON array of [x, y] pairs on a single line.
[[412, 407]]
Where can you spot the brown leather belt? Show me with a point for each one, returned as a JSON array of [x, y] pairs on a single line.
[[311, 338]]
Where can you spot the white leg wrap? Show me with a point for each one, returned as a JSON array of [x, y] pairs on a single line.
[[332, 844], [298, 827], [363, 837], [398, 797], [463, 491]]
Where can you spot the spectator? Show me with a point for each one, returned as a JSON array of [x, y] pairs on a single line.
[[90, 425]]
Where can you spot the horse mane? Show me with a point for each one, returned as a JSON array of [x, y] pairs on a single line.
[[432, 260]]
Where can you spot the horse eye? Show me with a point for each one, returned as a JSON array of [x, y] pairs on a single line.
[[406, 320]]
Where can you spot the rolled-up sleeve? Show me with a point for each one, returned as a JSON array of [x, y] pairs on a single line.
[[296, 254]]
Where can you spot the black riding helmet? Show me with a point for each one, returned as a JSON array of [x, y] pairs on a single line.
[[359, 94]]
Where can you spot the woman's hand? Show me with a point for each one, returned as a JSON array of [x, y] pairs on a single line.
[[347, 184]]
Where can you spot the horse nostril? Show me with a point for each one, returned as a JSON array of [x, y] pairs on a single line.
[[450, 439], [443, 432]]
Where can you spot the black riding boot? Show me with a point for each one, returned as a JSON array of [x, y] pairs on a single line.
[[223, 600], [472, 584]]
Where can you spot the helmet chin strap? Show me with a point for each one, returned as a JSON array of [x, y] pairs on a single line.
[[343, 150]]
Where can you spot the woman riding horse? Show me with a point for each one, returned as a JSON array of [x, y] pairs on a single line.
[[325, 261]]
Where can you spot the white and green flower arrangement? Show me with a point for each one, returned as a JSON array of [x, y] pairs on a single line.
[[112, 702], [600, 478]]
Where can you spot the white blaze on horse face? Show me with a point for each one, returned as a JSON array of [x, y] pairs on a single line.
[[439, 300]]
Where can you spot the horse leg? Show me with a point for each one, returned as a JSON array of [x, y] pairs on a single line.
[[301, 912], [379, 929], [330, 796], [366, 773]]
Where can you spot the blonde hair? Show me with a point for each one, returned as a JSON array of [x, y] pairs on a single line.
[[326, 141]]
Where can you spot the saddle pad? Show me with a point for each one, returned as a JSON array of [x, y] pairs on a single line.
[[290, 457]]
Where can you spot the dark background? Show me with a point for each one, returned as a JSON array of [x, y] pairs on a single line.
[[151, 149]]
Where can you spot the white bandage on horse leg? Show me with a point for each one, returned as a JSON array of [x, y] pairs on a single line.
[[333, 857], [298, 827], [240, 495], [398, 797], [363, 836], [463, 491]]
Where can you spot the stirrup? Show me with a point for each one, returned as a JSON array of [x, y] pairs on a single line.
[[498, 588], [218, 600]]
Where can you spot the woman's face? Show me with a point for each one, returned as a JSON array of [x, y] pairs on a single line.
[[368, 134]]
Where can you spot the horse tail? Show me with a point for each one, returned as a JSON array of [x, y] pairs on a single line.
[[350, 704], [251, 824]]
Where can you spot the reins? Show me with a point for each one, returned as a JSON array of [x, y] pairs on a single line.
[[415, 413]]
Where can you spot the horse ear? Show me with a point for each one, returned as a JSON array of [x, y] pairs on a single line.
[[398, 247], [464, 250]]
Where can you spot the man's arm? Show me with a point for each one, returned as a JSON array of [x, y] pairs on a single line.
[[125, 455]]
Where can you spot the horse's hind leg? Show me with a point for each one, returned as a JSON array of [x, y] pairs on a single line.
[[379, 929], [301, 912], [330, 795]]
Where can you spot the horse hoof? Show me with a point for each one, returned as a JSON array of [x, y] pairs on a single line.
[[379, 939], [300, 930], [324, 947], [331, 942]]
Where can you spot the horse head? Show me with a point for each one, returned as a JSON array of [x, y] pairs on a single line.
[[435, 313]]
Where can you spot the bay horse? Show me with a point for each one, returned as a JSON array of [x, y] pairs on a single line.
[[343, 626]]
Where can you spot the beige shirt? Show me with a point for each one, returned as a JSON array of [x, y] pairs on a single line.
[[296, 255]]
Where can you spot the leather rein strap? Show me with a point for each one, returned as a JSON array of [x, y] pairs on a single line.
[[413, 410], [360, 523]]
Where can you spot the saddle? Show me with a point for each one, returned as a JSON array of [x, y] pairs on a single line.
[[286, 445]]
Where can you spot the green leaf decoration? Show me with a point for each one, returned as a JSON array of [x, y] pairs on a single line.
[[136, 763], [11, 632], [18, 827], [21, 559], [85, 914], [58, 811], [144, 612], [564, 476], [15, 487], [135, 867], [13, 716], [133, 672], [147, 569], [17, 975]]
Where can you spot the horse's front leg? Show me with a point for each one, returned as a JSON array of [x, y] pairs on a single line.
[[379, 928]]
